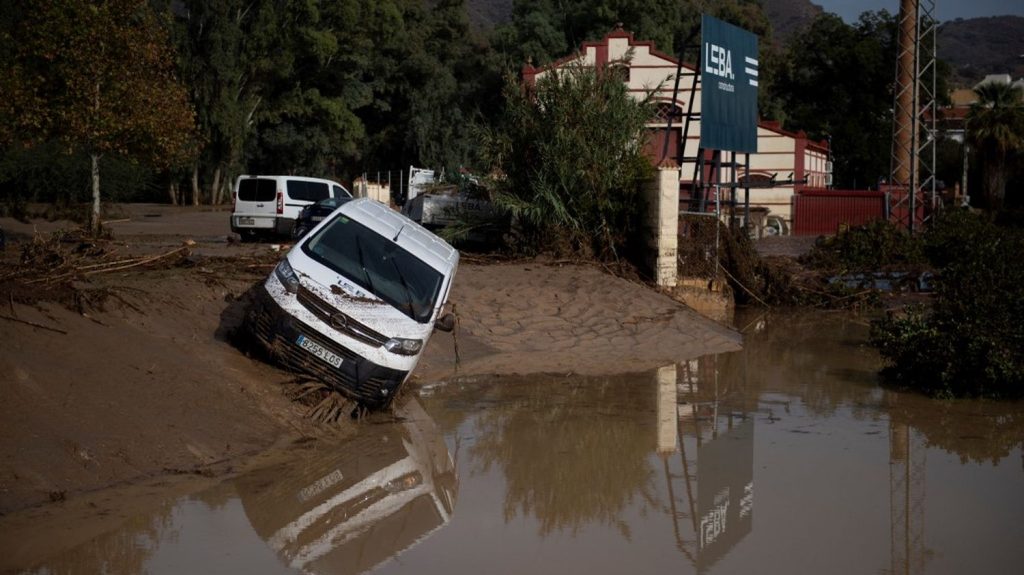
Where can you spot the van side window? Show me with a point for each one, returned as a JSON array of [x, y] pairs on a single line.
[[340, 192], [308, 191], [257, 190]]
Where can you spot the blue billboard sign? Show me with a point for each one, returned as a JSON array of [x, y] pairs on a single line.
[[728, 77]]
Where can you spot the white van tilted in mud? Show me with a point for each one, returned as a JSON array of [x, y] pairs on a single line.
[[270, 204], [354, 302]]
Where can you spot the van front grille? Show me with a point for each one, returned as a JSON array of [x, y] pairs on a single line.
[[266, 325], [338, 320]]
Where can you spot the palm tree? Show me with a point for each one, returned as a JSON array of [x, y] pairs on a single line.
[[995, 127]]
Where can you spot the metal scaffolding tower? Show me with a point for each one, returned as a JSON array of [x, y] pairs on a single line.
[[907, 471], [912, 168]]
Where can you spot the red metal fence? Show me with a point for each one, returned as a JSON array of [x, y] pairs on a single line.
[[825, 212]]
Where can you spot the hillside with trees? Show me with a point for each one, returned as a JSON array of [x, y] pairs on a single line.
[[979, 46]]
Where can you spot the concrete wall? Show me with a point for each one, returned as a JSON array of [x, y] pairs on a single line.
[[372, 190]]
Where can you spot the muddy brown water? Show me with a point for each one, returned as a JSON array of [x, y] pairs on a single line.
[[785, 457]]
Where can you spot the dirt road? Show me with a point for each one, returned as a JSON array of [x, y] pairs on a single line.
[[144, 383]]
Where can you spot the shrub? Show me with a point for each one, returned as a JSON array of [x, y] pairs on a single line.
[[971, 343], [875, 246]]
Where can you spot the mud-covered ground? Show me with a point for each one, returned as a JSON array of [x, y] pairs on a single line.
[[126, 374]]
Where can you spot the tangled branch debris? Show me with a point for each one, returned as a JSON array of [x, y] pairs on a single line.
[[325, 404], [55, 267]]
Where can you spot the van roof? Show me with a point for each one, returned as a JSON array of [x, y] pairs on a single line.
[[270, 176], [413, 237]]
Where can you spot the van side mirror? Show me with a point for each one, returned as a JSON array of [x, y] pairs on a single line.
[[445, 323]]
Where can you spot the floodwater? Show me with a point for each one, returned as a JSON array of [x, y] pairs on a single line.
[[785, 457]]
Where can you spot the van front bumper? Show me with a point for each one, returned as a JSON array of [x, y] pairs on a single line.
[[357, 378]]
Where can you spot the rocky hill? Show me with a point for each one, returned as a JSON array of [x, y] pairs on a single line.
[[789, 16], [979, 46]]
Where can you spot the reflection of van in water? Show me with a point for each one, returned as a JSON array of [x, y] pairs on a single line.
[[354, 302], [270, 204], [348, 508]]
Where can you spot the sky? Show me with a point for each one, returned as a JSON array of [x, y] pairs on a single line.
[[945, 10]]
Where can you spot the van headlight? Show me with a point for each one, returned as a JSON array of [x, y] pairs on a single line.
[[403, 346], [286, 275]]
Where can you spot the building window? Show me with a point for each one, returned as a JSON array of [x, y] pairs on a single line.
[[664, 110]]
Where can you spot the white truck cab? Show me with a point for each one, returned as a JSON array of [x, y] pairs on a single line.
[[356, 299]]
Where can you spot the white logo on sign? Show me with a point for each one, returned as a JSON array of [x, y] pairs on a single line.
[[718, 61], [751, 70]]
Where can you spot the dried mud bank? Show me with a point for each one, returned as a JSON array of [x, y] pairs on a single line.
[[524, 318], [151, 386]]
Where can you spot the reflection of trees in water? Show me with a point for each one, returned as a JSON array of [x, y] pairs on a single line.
[[123, 551], [822, 357], [975, 430], [572, 451]]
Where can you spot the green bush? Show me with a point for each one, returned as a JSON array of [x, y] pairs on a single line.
[[571, 163], [875, 246], [971, 341]]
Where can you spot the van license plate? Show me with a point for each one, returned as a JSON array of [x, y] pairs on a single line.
[[318, 350], [244, 221]]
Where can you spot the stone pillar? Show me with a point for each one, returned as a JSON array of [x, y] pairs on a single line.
[[662, 196], [668, 412]]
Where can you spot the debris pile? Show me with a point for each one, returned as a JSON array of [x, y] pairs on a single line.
[[57, 267]]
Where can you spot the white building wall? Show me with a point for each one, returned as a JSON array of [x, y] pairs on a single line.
[[653, 74]]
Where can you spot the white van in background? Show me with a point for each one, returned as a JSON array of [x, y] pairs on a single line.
[[354, 301], [270, 204]]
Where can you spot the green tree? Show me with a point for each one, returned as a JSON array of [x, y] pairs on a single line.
[[310, 85], [431, 79], [216, 42], [542, 30], [535, 34], [837, 85], [995, 127], [99, 77], [571, 151]]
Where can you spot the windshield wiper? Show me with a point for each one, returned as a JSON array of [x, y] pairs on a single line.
[[408, 292], [362, 264]]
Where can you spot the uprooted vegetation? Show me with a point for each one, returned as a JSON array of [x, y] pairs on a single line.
[[751, 278], [59, 267], [857, 268], [851, 270], [65, 267]]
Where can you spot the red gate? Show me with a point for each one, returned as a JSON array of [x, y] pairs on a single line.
[[825, 212]]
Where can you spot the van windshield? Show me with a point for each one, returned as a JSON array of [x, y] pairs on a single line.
[[377, 264]]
